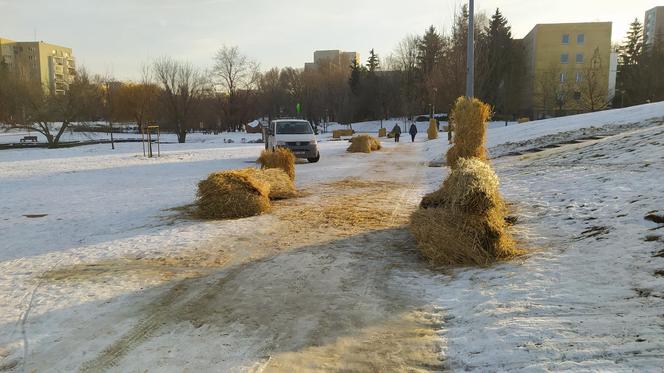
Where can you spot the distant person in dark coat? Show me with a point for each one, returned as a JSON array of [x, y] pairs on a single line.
[[413, 132], [397, 133]]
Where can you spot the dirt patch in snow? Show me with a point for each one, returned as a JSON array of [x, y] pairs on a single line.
[[164, 268]]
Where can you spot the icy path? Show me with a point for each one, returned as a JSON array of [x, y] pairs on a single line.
[[270, 292]]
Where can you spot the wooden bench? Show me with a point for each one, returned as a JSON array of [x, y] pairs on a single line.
[[29, 139]]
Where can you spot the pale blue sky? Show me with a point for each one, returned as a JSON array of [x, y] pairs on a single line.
[[117, 36]]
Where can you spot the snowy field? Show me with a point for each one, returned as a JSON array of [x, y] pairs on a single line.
[[100, 270]]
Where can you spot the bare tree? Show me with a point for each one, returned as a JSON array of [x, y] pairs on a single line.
[[236, 75], [138, 100], [52, 114], [552, 90], [592, 87], [182, 87], [405, 61], [272, 92]]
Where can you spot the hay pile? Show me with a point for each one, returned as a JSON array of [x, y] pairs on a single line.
[[242, 193], [364, 144], [382, 132], [281, 185], [231, 195], [279, 158], [336, 134], [464, 221], [432, 131], [469, 118]]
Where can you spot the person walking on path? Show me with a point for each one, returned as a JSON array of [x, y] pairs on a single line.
[[397, 133], [413, 132]]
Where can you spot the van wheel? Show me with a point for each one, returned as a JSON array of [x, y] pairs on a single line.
[[314, 160]]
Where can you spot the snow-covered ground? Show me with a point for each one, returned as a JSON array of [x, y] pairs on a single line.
[[112, 277]]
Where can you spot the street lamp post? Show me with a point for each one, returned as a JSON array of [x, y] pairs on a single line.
[[470, 60]]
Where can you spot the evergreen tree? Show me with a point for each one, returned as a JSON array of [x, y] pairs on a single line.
[[630, 78], [497, 46], [632, 48], [373, 63], [456, 58], [355, 78], [430, 50]]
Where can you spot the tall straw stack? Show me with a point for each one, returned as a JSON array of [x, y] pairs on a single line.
[[469, 118], [432, 131], [463, 222]]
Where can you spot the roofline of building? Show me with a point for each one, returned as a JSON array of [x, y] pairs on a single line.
[[34, 42]]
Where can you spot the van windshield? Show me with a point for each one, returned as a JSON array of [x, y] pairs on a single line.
[[294, 128]]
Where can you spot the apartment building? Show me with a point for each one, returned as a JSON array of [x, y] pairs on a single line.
[[559, 59], [50, 66], [332, 60], [653, 27]]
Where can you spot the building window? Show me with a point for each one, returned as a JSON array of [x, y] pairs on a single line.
[[564, 58], [578, 76], [563, 77], [565, 38], [580, 38], [577, 95], [579, 58]]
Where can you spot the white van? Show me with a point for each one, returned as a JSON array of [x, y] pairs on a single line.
[[295, 134]]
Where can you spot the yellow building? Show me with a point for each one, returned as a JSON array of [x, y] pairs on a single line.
[[332, 60], [51, 66], [570, 68]]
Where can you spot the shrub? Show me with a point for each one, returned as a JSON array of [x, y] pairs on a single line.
[[279, 158]]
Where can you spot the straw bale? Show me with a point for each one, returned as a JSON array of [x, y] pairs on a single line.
[[469, 118], [432, 131], [448, 237], [382, 132], [363, 144], [231, 195], [336, 134], [281, 158], [281, 186], [471, 187]]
